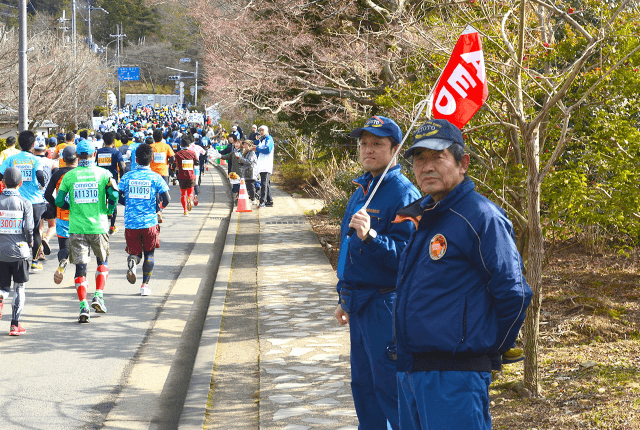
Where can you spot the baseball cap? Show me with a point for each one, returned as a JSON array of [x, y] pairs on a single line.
[[85, 147], [53, 141], [40, 144], [436, 134], [69, 153], [12, 177], [234, 128], [380, 126]]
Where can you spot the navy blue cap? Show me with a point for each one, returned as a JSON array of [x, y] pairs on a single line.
[[380, 126], [85, 147], [436, 134]]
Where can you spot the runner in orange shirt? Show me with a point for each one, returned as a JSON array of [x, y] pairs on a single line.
[[57, 153], [163, 155]]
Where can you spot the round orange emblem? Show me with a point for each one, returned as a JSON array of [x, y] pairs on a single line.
[[437, 247]]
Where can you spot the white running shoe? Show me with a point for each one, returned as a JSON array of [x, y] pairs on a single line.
[[145, 290]]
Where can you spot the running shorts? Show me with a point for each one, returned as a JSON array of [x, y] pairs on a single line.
[[79, 245], [19, 270], [142, 239]]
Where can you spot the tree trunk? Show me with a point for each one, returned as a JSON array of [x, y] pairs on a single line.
[[534, 261]]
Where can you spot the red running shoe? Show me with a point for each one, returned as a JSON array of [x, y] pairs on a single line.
[[17, 330]]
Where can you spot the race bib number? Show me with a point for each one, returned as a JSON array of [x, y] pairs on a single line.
[[187, 164], [10, 222], [26, 168], [160, 157], [104, 160], [140, 189], [85, 192]]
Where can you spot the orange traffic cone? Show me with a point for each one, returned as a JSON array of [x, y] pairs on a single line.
[[243, 199]]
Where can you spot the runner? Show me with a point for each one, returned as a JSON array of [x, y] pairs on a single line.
[[16, 229], [108, 157], [88, 188], [201, 153], [49, 215], [33, 178], [69, 138], [62, 215], [139, 190], [186, 160], [11, 149]]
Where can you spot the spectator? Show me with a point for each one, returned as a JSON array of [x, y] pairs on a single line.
[[367, 278], [265, 151], [462, 295], [248, 166]]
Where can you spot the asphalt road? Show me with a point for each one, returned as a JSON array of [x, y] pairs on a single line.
[[109, 373]]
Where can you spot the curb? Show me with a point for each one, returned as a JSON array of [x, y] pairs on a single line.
[[195, 405]]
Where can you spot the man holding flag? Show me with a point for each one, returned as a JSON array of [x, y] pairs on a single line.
[[462, 295], [367, 271]]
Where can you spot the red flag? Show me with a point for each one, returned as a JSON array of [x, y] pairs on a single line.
[[462, 88]]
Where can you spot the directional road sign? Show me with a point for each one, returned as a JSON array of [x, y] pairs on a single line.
[[128, 73], [185, 60]]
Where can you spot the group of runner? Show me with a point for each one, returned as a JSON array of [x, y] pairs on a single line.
[[95, 173]]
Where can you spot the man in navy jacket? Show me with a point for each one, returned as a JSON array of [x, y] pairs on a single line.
[[462, 295], [367, 273]]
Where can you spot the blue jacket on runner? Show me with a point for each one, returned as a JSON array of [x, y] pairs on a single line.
[[461, 290], [375, 266]]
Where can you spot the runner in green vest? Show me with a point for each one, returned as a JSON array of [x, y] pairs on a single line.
[[92, 194]]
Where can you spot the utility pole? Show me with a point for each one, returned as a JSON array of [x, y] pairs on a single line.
[[119, 36], [64, 27], [75, 62], [196, 92], [23, 114], [89, 35]]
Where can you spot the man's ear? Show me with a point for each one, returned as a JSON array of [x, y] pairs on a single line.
[[464, 163]]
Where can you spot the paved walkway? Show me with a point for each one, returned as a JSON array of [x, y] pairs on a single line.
[[303, 355]]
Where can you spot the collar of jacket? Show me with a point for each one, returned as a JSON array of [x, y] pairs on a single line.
[[368, 181], [426, 205]]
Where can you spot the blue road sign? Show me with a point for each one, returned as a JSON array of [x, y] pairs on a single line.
[[128, 73]]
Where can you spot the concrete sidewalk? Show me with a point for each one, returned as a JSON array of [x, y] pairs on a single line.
[[292, 372]]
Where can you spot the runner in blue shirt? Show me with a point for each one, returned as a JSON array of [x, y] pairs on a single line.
[[32, 189], [108, 157], [138, 191]]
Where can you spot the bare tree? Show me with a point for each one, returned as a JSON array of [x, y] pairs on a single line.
[[53, 77]]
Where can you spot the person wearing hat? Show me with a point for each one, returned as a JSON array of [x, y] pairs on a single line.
[[367, 278], [51, 143], [16, 240], [68, 155], [462, 294], [33, 181], [92, 195], [48, 165]]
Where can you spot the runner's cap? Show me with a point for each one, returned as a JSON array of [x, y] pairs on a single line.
[[85, 147], [12, 177], [69, 153]]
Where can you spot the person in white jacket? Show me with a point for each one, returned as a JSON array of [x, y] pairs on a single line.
[[265, 151]]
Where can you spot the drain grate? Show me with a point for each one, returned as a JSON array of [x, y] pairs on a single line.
[[218, 217], [284, 222]]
